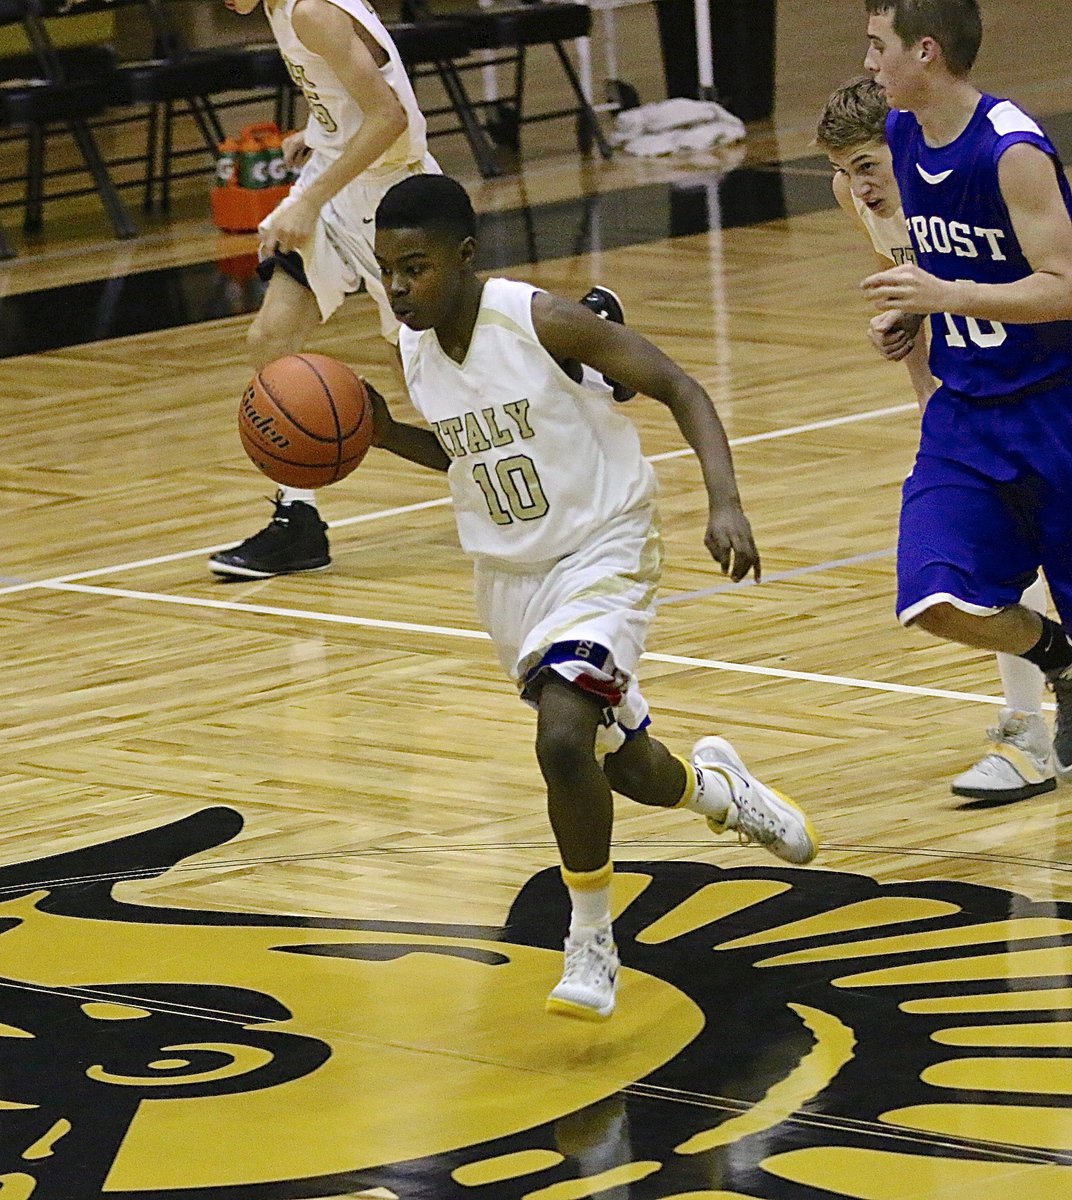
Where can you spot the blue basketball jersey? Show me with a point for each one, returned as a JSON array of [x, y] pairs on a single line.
[[960, 228]]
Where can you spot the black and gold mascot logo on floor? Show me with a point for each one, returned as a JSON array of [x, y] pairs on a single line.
[[780, 1034]]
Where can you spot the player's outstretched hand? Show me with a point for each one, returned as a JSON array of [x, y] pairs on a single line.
[[381, 416], [907, 288], [729, 538]]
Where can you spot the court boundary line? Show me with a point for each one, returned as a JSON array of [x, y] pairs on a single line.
[[70, 583], [831, 564], [449, 631], [442, 501]]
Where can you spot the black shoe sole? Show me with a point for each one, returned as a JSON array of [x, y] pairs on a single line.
[[225, 571], [998, 796]]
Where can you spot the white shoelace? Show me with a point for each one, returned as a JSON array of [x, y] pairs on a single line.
[[587, 957], [754, 823], [998, 768], [1015, 730]]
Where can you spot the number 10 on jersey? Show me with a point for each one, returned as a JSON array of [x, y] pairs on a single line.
[[515, 493]]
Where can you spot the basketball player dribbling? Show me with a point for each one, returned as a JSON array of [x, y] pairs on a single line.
[[554, 501], [989, 210], [852, 131]]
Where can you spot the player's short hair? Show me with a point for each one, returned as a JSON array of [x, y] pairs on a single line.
[[956, 25], [434, 202], [853, 116]]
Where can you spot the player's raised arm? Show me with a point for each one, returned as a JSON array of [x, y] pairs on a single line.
[[568, 330]]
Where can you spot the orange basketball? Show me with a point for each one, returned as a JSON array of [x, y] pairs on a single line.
[[305, 420]]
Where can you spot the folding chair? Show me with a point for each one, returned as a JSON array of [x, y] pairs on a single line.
[[507, 30], [430, 47], [173, 79], [41, 90]]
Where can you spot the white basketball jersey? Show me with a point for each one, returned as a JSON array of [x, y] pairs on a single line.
[[538, 463], [889, 235], [334, 115]]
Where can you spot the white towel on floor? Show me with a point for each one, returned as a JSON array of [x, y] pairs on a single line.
[[676, 124]]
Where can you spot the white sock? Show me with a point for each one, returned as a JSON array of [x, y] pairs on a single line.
[[706, 791], [288, 495], [1023, 681], [589, 893]]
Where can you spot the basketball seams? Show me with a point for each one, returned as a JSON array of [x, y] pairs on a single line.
[[299, 461], [334, 411], [342, 435], [327, 396], [315, 437], [263, 457], [366, 414]]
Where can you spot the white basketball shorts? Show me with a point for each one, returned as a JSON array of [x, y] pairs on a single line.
[[585, 617]]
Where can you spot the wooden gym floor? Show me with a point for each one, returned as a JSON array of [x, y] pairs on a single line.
[[278, 899]]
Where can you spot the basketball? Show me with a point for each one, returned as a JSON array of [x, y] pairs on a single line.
[[305, 420]]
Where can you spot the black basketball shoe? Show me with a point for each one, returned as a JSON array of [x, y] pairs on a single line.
[[294, 540], [1062, 730], [604, 303]]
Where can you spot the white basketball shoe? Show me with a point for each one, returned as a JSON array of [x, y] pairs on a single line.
[[757, 812], [590, 979], [1017, 762]]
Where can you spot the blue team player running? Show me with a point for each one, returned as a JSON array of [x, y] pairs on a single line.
[[989, 210]]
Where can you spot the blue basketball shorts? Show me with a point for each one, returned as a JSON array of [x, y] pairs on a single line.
[[988, 503]]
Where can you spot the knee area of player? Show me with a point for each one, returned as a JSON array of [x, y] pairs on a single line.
[[267, 340], [952, 624], [944, 621], [564, 748], [565, 729]]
